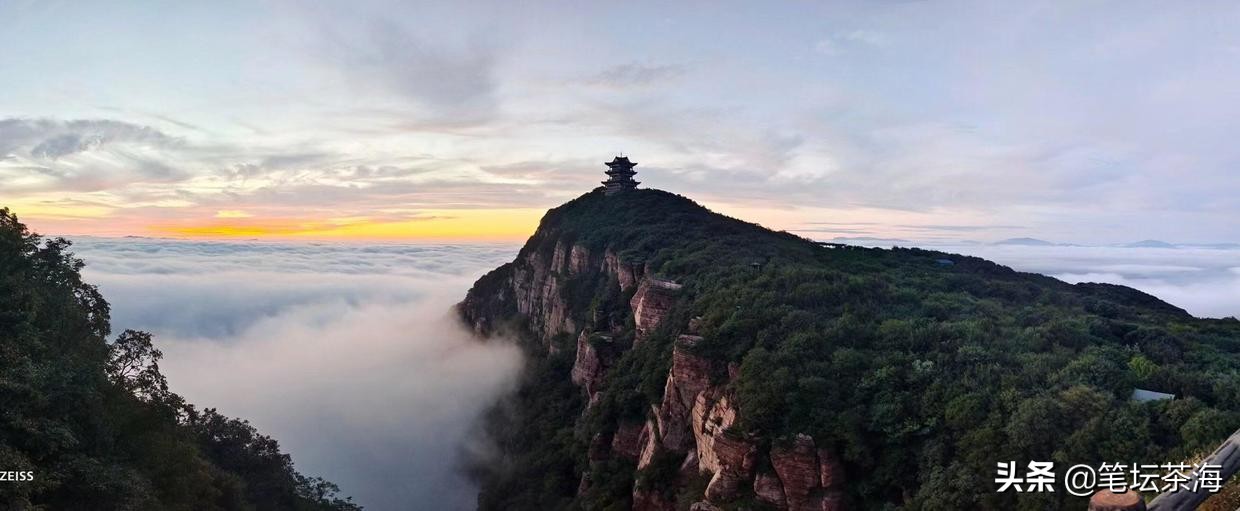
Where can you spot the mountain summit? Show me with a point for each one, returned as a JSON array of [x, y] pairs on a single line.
[[680, 357]]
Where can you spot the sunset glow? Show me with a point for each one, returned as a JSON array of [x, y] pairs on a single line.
[[482, 225]]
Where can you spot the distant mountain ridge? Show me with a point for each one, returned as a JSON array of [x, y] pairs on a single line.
[[1149, 244], [1028, 242]]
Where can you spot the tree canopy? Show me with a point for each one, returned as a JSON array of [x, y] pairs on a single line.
[[95, 421], [921, 374]]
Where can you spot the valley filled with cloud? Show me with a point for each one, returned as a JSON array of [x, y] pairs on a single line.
[[346, 354]]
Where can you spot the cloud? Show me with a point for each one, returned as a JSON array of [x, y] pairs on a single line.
[[1202, 281], [83, 155], [635, 74], [456, 82], [838, 44], [52, 139], [135, 178], [347, 354]]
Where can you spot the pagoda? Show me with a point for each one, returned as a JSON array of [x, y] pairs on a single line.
[[620, 175]]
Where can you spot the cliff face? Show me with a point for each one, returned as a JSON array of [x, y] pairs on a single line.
[[692, 424], [534, 287], [681, 359]]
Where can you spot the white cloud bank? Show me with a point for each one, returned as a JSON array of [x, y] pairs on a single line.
[[346, 354]]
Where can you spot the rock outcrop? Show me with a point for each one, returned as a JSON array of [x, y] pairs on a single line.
[[689, 376], [769, 489], [811, 477], [537, 286], [626, 441], [651, 302], [728, 458], [534, 286], [649, 500], [626, 275], [595, 354], [797, 467], [693, 424]]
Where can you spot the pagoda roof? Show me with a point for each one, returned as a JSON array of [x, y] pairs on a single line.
[[620, 160]]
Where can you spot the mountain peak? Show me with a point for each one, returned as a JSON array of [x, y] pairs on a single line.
[[717, 360], [1026, 242]]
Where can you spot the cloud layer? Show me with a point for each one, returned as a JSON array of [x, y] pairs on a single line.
[[346, 354]]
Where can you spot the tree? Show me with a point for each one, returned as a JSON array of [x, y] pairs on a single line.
[[133, 364]]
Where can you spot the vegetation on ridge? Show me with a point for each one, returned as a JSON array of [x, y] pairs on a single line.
[[921, 373], [95, 423]]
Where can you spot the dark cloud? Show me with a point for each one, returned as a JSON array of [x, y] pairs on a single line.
[[51, 138]]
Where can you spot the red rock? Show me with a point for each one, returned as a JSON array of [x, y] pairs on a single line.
[[728, 458], [627, 276], [587, 365], [797, 467], [579, 260], [626, 441], [650, 444], [689, 376], [595, 354], [536, 290], [1106, 500], [559, 255], [768, 489], [830, 470], [646, 500], [650, 303]]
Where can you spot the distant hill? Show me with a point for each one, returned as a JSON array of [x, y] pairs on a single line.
[[1149, 244], [678, 356], [1027, 242], [869, 241]]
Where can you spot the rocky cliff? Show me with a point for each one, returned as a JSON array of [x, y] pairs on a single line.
[[692, 424], [686, 360]]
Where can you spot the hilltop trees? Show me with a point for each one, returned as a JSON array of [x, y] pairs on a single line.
[[95, 422], [921, 375]]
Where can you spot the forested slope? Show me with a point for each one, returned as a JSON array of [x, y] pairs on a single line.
[[93, 422], [681, 356]]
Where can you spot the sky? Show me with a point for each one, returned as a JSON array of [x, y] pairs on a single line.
[[1084, 122]]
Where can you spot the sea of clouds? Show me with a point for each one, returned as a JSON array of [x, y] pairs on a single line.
[[348, 354]]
